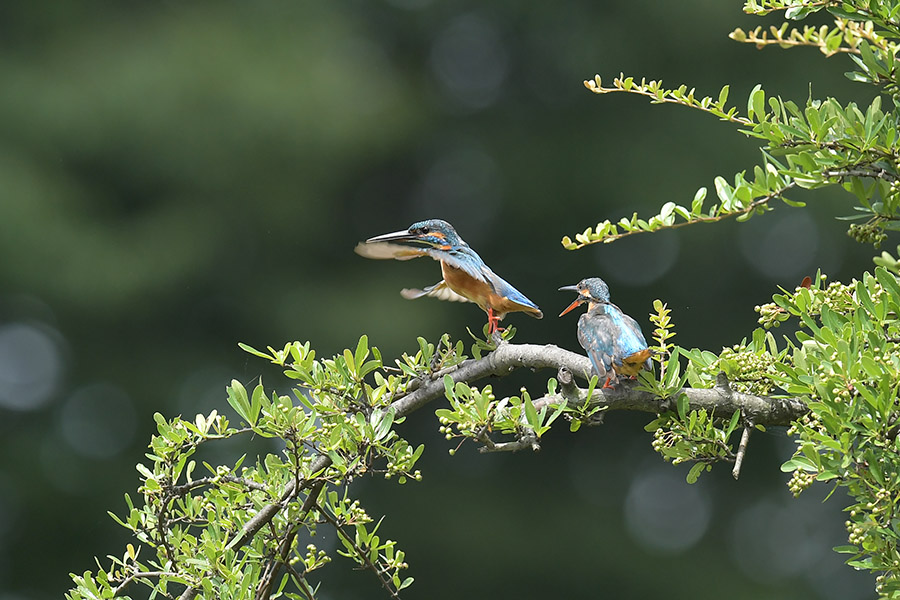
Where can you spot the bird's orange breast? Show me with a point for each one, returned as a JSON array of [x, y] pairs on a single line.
[[465, 285], [481, 293]]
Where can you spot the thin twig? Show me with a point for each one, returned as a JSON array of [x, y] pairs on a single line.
[[270, 574], [742, 449], [527, 440], [707, 219], [656, 98], [141, 575], [184, 488], [189, 593], [364, 556]]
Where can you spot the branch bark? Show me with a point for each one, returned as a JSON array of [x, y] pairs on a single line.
[[721, 400]]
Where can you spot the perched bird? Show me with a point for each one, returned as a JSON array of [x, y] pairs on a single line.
[[612, 339], [466, 277]]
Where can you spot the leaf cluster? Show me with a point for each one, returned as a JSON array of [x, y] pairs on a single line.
[[810, 144], [476, 414], [846, 360], [693, 435], [192, 518]]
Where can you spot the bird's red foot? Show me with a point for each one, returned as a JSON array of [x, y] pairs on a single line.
[[493, 322]]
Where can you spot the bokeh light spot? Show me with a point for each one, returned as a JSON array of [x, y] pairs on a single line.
[[9, 504], [664, 513], [98, 421], [31, 366], [469, 60], [777, 539], [638, 260], [781, 245], [204, 391], [410, 4], [462, 185]]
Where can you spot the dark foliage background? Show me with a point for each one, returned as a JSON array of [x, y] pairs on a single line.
[[180, 176]]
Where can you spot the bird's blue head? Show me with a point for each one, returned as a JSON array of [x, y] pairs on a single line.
[[432, 233], [436, 233], [592, 290]]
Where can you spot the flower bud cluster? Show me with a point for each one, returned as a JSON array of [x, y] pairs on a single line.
[[837, 296], [867, 233], [800, 480], [315, 558], [354, 513], [663, 439], [856, 532]]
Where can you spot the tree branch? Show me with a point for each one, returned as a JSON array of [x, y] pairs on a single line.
[[140, 575], [742, 449], [873, 172], [184, 488], [720, 400]]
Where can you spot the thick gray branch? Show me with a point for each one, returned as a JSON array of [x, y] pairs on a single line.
[[502, 361], [720, 400]]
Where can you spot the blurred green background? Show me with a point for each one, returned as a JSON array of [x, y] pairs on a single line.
[[176, 177]]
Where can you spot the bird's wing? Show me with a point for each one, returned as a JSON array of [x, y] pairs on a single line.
[[462, 258], [596, 336], [630, 340], [385, 250], [440, 290], [504, 289]]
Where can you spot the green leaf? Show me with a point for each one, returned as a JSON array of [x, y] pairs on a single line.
[[723, 96], [384, 425], [732, 425], [362, 351], [237, 398], [756, 105], [256, 401], [254, 351], [697, 203], [531, 415], [889, 282], [683, 405], [694, 473]]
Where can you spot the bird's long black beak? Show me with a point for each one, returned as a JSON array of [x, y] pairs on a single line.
[[395, 237], [569, 288]]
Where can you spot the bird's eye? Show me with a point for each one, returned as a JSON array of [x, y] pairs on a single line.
[[426, 230]]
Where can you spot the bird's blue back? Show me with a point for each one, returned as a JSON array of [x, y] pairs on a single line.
[[461, 256], [609, 335]]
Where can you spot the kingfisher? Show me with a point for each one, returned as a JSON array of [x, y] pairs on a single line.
[[612, 339], [465, 276]]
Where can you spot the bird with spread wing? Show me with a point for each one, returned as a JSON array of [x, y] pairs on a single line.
[[466, 278]]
